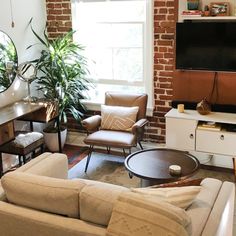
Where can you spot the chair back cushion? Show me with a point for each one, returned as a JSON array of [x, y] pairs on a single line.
[[118, 117], [128, 100]]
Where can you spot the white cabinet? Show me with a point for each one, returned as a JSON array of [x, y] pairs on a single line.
[[180, 133], [216, 142]]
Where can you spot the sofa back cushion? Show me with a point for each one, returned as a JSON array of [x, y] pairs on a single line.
[[137, 215], [97, 200], [43, 193], [118, 117]]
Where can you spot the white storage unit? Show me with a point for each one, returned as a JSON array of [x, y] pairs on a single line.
[[182, 132]]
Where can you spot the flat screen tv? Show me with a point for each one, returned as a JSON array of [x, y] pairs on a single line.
[[207, 46]]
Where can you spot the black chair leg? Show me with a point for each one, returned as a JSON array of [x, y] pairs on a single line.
[[140, 145], [88, 158], [24, 159], [1, 166], [20, 161], [124, 152], [42, 148]]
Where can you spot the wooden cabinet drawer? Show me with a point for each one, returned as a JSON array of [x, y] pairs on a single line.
[[219, 142], [180, 133], [6, 132]]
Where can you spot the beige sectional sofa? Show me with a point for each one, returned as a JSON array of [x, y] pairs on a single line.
[[38, 199]]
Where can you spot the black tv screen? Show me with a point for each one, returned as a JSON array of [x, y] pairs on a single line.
[[206, 46]]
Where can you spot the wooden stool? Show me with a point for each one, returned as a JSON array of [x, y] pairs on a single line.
[[22, 145]]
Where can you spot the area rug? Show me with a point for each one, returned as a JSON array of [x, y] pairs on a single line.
[[104, 168], [75, 154], [111, 169]]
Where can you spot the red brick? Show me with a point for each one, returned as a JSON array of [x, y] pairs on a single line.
[[159, 17], [167, 36], [159, 3]]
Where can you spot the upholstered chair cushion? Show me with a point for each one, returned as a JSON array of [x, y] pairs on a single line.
[[181, 197], [137, 215], [118, 117], [43, 193]]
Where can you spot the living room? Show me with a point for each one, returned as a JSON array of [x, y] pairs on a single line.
[[170, 119]]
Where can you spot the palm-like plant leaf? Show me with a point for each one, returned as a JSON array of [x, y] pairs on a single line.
[[62, 70]]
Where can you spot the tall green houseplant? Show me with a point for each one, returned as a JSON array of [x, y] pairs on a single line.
[[62, 70]]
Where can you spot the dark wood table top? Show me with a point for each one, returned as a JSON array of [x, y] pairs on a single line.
[[17, 110], [153, 164]]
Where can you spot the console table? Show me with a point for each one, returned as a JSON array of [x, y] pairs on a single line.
[[40, 111], [183, 133]]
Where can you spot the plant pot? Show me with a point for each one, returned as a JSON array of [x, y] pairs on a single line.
[[51, 140]]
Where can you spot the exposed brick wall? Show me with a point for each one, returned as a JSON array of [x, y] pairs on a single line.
[[59, 18], [165, 15]]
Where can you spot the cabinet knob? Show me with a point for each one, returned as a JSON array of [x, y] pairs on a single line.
[[222, 137], [191, 136]]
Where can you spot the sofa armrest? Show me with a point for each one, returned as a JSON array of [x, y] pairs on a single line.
[[92, 123], [16, 220], [220, 221], [138, 125], [47, 164]]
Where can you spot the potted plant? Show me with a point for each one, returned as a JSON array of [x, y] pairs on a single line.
[[62, 70]]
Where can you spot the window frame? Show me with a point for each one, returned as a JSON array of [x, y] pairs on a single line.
[[148, 44]]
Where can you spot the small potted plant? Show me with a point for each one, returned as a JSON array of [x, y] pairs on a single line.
[[62, 69]]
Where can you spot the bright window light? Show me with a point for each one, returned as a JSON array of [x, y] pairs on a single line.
[[117, 37]]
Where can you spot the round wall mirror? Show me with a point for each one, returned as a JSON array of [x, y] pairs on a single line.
[[8, 61]]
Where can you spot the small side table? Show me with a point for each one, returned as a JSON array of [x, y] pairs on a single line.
[[152, 165]]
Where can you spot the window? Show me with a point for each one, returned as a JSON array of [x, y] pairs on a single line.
[[117, 36]]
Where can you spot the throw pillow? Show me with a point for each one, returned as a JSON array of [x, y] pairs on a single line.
[[42, 193], [179, 196], [118, 117], [181, 183], [142, 215]]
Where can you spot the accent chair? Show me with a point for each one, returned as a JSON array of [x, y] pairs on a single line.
[[120, 125]]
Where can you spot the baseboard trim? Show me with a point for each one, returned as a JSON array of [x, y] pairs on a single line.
[[217, 168]]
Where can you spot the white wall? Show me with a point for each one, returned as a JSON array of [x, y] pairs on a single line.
[[22, 36]]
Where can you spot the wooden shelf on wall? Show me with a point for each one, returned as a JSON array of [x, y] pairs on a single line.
[[183, 7]]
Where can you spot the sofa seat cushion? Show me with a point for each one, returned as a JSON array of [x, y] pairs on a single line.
[[137, 215], [179, 196], [43, 193], [118, 117], [111, 138], [97, 200], [201, 208]]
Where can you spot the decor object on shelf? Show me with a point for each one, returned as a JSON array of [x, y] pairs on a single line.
[[219, 8], [192, 4], [62, 76], [180, 108], [203, 107], [27, 72], [206, 11], [8, 61]]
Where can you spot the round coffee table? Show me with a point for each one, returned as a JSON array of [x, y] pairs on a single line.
[[152, 165]]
